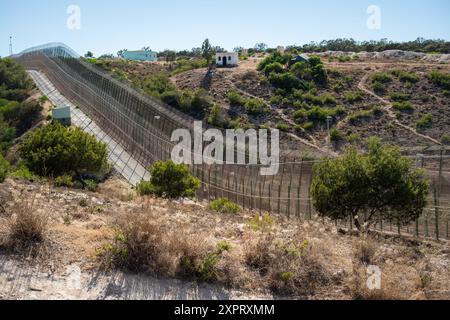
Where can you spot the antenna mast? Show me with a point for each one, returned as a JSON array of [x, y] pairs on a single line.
[[10, 46]]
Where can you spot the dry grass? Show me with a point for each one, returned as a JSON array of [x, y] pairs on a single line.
[[26, 228], [364, 250], [288, 268], [143, 243]]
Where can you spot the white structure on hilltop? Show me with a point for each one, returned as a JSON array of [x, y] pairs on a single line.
[[227, 59]]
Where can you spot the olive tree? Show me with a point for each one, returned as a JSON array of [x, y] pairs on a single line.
[[379, 184]]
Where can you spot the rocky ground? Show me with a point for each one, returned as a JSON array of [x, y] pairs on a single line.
[[68, 265]]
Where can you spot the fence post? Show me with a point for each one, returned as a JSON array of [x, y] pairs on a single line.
[[279, 199], [270, 198], [436, 212], [251, 195], [289, 202]]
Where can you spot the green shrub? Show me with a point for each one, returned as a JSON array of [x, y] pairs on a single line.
[[223, 205], [381, 77], [286, 81], [440, 79], [328, 99], [424, 123], [365, 115], [405, 106], [255, 106], [308, 126], [406, 76], [399, 97], [262, 222], [445, 139], [170, 180], [236, 99], [379, 87], [352, 97], [90, 185], [273, 67], [55, 150], [335, 135], [21, 116], [275, 57], [22, 172], [64, 181], [4, 169], [283, 127]]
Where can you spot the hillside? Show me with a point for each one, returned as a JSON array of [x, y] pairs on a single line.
[[410, 109], [81, 225]]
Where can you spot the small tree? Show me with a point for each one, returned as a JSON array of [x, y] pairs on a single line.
[[55, 150], [380, 184], [89, 54], [207, 51]]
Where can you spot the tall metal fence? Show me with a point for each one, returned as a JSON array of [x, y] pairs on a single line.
[[143, 126]]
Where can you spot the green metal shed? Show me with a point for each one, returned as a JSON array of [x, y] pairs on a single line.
[[62, 115]]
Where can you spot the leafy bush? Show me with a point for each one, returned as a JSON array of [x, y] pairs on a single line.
[[23, 173], [424, 123], [273, 67], [286, 81], [55, 150], [405, 106], [276, 57], [382, 184], [4, 169], [255, 106], [90, 185], [263, 222], [21, 116], [352, 97], [445, 139], [283, 127], [223, 205], [236, 99], [381, 77], [379, 87], [14, 81], [406, 76], [170, 180], [335, 135], [64, 181], [440, 79], [156, 85], [399, 97]]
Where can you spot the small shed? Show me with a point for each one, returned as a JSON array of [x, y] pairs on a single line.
[[62, 115], [141, 55], [299, 58], [227, 59]]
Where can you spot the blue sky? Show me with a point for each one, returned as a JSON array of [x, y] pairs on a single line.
[[110, 25]]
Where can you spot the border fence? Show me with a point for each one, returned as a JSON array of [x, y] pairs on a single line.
[[143, 126]]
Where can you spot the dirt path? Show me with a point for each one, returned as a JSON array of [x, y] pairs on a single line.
[[19, 281], [388, 108]]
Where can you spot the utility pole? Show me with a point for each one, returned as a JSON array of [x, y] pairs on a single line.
[[10, 46]]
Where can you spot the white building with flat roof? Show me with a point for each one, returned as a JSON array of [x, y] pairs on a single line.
[[227, 59]]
